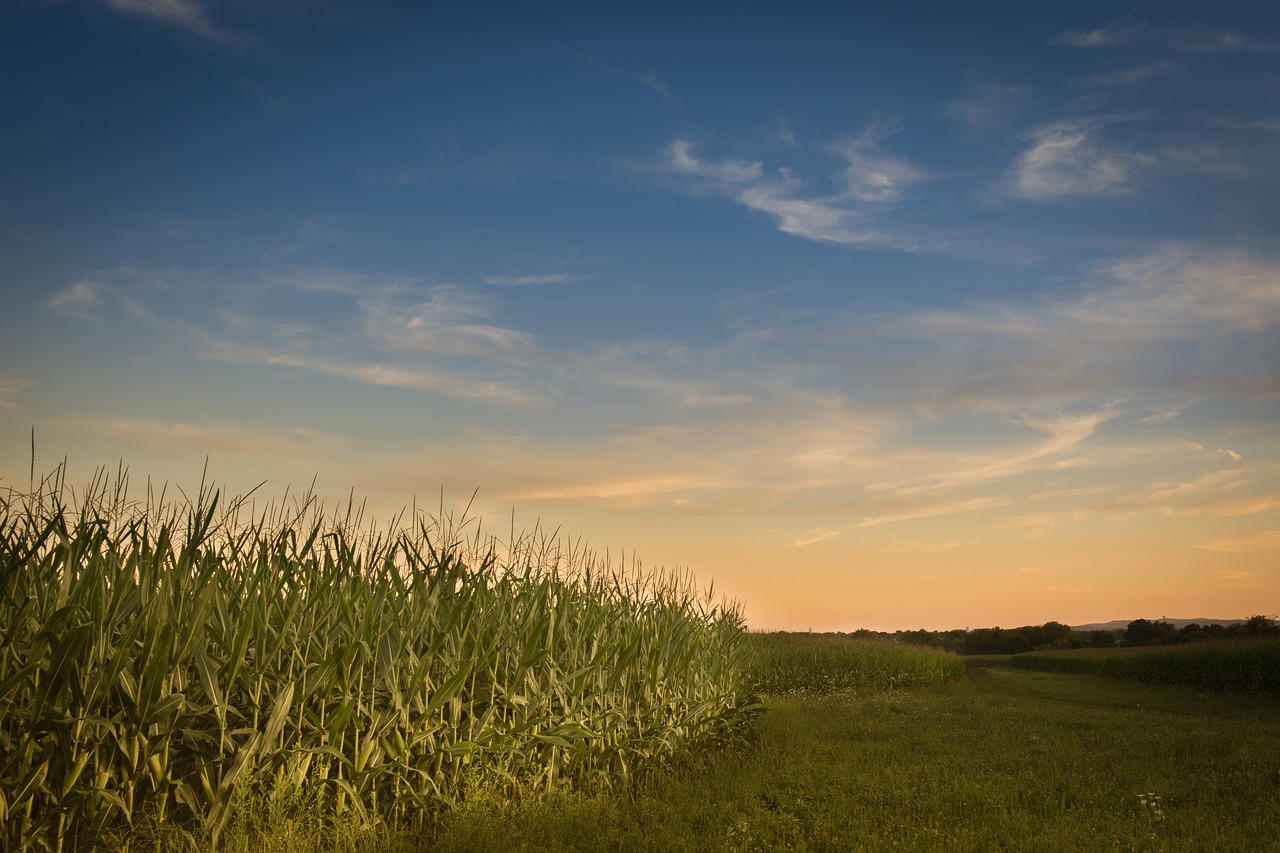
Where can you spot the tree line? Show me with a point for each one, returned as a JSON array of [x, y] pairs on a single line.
[[1055, 635]]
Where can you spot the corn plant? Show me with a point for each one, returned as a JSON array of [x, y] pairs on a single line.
[[159, 659]]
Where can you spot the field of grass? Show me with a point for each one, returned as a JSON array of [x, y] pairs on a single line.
[[1001, 759], [171, 670], [1234, 666]]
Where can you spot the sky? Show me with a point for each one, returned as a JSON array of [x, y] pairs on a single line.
[[893, 315]]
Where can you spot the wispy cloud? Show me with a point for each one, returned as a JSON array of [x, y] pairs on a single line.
[[200, 439], [618, 492], [987, 102], [526, 280], [868, 184], [443, 323], [846, 421], [1111, 35], [1267, 540], [1176, 291], [813, 537], [1069, 158], [1259, 124], [1226, 42], [935, 510], [12, 387], [872, 176], [1064, 433], [1080, 157], [1234, 492], [1133, 76], [378, 329], [82, 301], [921, 547], [1184, 39], [417, 378], [653, 82], [1162, 416], [188, 14], [1082, 491]]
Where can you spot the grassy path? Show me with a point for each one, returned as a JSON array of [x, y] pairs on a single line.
[[1003, 760]]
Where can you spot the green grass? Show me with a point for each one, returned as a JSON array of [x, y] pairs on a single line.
[[1234, 666], [1003, 759]]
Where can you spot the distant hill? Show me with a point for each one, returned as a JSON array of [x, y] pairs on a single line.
[[1121, 624]]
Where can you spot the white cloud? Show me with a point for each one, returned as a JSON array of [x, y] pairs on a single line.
[[813, 537], [1225, 493], [1213, 483], [1162, 416], [1133, 76], [1068, 158], [1176, 292], [681, 158], [412, 377], [1111, 35], [872, 176], [383, 330], [870, 181], [1065, 432], [443, 323], [188, 14], [1230, 454], [82, 300]]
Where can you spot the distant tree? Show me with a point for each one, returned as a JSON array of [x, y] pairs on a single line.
[[1100, 639], [983, 641], [1258, 625], [1052, 634], [919, 637], [1143, 632]]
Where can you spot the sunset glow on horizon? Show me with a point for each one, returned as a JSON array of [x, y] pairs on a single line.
[[925, 317]]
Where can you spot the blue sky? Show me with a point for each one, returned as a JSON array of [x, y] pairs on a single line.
[[925, 315]]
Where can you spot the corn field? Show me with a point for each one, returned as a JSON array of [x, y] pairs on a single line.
[[1224, 666], [158, 659], [818, 664]]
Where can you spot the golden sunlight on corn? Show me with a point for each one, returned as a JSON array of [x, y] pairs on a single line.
[[160, 660]]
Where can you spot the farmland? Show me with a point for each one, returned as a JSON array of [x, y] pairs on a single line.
[[168, 668], [1240, 666], [206, 675], [1003, 758]]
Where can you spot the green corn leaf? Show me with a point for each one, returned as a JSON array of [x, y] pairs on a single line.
[[279, 714]]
